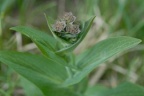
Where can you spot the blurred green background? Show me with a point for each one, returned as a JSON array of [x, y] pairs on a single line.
[[113, 18]]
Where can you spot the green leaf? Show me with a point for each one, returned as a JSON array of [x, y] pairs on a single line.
[[37, 35], [32, 66], [43, 72], [84, 31], [44, 42], [105, 49], [98, 54], [125, 89]]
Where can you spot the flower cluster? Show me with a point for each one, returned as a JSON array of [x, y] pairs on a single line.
[[66, 29]]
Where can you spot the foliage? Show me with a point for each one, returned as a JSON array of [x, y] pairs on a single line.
[[56, 73], [117, 19]]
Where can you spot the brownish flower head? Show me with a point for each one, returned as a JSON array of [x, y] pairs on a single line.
[[68, 17], [59, 26], [73, 29], [66, 28]]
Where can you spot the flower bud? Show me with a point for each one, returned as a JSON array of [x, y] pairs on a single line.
[[73, 29], [68, 17], [66, 28], [59, 26]]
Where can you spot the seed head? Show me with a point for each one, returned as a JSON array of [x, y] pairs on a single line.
[[59, 26]]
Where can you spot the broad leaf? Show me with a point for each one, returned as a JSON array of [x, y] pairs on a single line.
[[43, 72], [98, 54], [105, 49], [125, 89], [45, 43], [37, 35], [32, 66]]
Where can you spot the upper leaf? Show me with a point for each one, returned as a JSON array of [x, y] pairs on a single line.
[[37, 35], [45, 43], [98, 54]]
